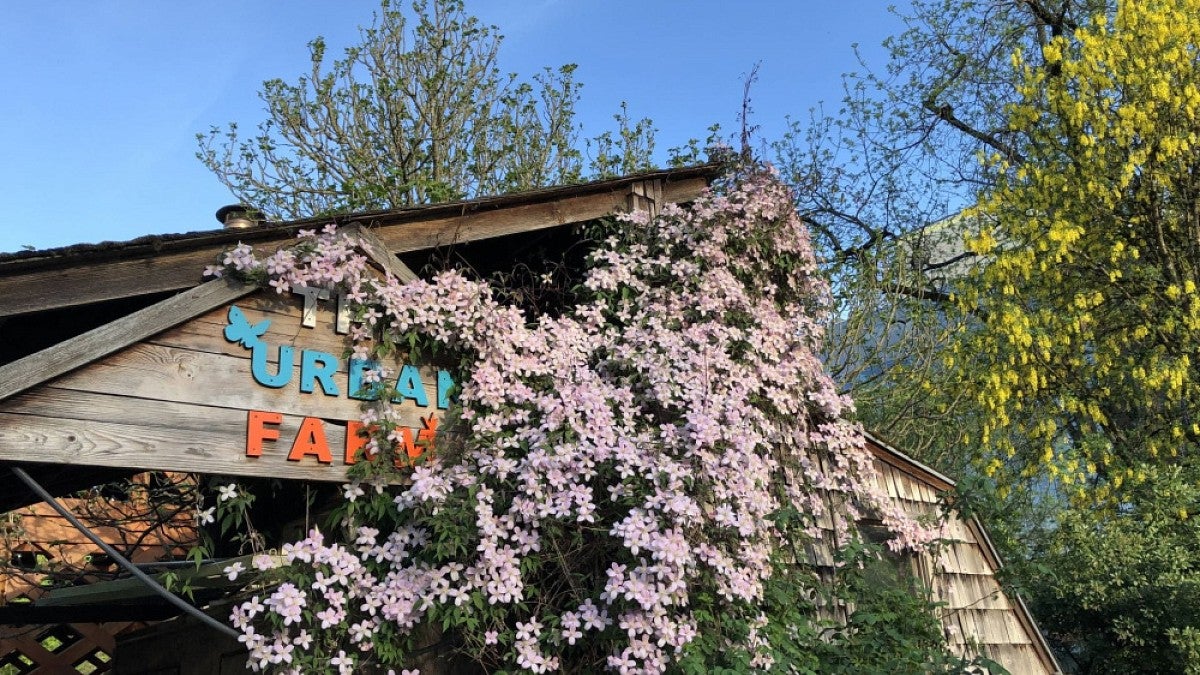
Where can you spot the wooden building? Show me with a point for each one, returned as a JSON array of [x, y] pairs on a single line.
[[977, 614], [119, 358]]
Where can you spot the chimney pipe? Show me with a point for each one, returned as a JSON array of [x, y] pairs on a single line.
[[239, 216]]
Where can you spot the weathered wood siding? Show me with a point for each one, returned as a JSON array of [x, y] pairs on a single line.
[[978, 616]]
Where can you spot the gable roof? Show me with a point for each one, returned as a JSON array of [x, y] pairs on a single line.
[[114, 286]]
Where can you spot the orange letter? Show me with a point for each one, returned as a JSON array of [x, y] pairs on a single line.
[[356, 439], [425, 436], [424, 443], [407, 447], [310, 440], [257, 432]]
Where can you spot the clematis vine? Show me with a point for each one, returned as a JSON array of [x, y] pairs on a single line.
[[618, 477]]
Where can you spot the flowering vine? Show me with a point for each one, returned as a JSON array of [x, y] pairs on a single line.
[[617, 483]]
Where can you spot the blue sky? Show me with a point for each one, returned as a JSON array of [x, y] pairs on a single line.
[[104, 97]]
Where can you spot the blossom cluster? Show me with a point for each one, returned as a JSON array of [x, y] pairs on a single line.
[[622, 465]]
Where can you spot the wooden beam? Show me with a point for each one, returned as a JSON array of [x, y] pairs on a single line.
[[129, 590], [646, 196], [64, 357], [172, 269], [31, 615], [175, 442], [374, 248]]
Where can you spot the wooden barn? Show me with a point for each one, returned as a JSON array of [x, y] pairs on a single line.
[[117, 360]]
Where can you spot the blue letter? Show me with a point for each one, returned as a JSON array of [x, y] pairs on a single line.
[[408, 385], [315, 365], [258, 365], [445, 384], [358, 390]]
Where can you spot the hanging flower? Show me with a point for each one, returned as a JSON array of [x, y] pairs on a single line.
[[625, 462]]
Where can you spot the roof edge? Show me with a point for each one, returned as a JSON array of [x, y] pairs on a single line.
[[19, 261]]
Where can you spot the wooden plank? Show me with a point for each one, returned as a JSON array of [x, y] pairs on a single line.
[[881, 480], [374, 248], [640, 198], [40, 290], [907, 488], [922, 492], [992, 596], [206, 332], [78, 351], [973, 559], [170, 270], [901, 483], [953, 563], [129, 589], [956, 530], [960, 629], [80, 407], [965, 532], [440, 232], [146, 374], [183, 419], [994, 625], [1016, 658], [948, 560], [967, 591], [892, 482], [194, 363], [970, 624], [946, 591], [205, 335], [188, 444]]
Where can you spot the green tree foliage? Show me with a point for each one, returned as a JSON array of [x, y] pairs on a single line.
[[1123, 595], [877, 182], [1052, 361], [418, 112]]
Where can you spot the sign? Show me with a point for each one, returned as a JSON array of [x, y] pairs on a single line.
[[256, 387], [313, 370]]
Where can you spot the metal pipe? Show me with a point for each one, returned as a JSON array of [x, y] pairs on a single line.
[[120, 559]]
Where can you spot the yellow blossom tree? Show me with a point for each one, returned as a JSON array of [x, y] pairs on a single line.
[[1082, 344], [1089, 298]]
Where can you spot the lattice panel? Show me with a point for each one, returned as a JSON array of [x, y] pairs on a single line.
[[16, 662], [61, 649]]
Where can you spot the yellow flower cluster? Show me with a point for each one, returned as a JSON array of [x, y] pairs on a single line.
[[1088, 305]]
